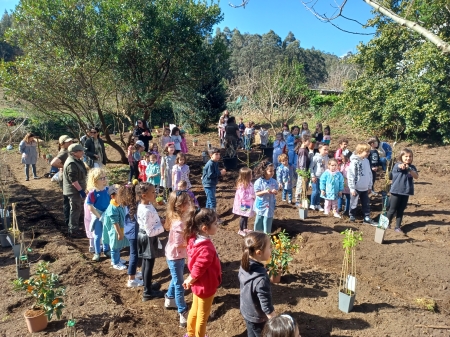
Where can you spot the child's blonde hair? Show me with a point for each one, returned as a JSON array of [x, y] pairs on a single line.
[[175, 208], [93, 177], [151, 146], [360, 148], [244, 178], [332, 160], [282, 157]]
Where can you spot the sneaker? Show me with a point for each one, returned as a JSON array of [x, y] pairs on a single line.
[[153, 294], [369, 221], [325, 213], [134, 284], [283, 199], [138, 275], [36, 177], [242, 233], [352, 218], [183, 319], [336, 215], [107, 253], [312, 207], [96, 257], [27, 179], [156, 286], [398, 230], [247, 230], [319, 208], [119, 266], [169, 303], [91, 250], [120, 262], [290, 202]]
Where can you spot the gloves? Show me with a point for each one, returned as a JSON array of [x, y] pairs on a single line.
[[82, 193]]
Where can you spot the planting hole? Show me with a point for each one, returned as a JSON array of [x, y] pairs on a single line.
[[48, 258], [41, 244]]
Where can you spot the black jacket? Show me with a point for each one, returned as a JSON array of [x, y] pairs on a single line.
[[256, 296], [90, 149]]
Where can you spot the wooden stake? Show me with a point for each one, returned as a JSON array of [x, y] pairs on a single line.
[[432, 326]]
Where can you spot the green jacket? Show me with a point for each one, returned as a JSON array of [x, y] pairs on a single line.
[[74, 170]]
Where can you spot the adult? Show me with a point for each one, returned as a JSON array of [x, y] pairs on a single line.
[[74, 187], [28, 149], [63, 145], [143, 133], [232, 133], [95, 148]]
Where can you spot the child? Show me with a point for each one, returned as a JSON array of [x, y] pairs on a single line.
[[278, 147], [182, 186], [331, 187], [248, 134], [255, 294], [142, 166], [360, 182], [344, 171], [154, 150], [318, 166], [305, 129], [327, 135], [241, 127], [285, 132], [135, 158], [127, 198], [205, 269], [179, 210], [343, 143], [402, 187], [284, 177], [153, 172], [113, 229], [318, 135], [221, 128], [180, 171], [149, 227], [281, 326], [374, 160], [184, 147], [291, 143], [165, 138], [176, 139], [303, 161], [167, 163], [263, 136], [266, 188], [210, 177], [244, 199], [385, 151], [97, 200]]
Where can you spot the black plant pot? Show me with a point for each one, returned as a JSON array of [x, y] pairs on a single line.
[[230, 163], [268, 152], [23, 270], [4, 239]]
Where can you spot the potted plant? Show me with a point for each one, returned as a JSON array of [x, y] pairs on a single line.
[[45, 288], [305, 175], [23, 267], [159, 200], [230, 158], [268, 149], [282, 250], [347, 280]]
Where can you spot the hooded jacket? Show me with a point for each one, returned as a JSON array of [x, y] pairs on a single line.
[[359, 174], [256, 295], [318, 165]]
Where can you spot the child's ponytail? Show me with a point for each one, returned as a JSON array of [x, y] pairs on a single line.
[[201, 217], [127, 197], [252, 242]]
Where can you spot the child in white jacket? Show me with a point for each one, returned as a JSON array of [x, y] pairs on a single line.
[[317, 167], [359, 176]]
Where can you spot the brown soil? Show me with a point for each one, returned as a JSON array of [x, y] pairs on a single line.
[[391, 277]]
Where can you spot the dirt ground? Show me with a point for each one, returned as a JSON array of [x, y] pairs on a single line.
[[391, 277]]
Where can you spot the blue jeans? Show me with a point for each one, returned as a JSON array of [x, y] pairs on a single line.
[[383, 162], [27, 170], [176, 289], [98, 231], [315, 194], [115, 256], [247, 141], [263, 224], [132, 266], [289, 194], [347, 203], [210, 197]]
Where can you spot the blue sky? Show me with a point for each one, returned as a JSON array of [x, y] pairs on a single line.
[[282, 16]]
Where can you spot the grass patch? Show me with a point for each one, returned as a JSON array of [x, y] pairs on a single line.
[[427, 304], [9, 113]]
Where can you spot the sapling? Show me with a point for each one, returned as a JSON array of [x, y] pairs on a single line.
[[348, 272]]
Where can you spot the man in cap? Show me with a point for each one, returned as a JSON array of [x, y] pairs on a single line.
[[74, 186]]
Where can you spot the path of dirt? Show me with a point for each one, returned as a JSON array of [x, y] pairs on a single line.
[[391, 277]]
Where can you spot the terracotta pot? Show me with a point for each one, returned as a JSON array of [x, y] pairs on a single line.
[[275, 279], [36, 320]]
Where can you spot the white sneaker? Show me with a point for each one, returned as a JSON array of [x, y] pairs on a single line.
[[325, 213], [96, 257], [120, 262], [169, 303], [138, 275], [134, 284], [119, 266], [312, 207], [336, 215], [320, 209], [183, 319]]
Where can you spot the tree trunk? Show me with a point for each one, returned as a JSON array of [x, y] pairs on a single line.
[[441, 44]]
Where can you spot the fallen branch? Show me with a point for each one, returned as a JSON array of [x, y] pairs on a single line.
[[432, 326]]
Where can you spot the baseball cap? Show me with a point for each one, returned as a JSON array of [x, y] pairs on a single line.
[[75, 148], [113, 189], [65, 139], [140, 143]]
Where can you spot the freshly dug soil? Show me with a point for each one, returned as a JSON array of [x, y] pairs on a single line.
[[391, 277]]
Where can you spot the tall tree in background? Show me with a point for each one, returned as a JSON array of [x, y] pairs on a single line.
[[8, 51]]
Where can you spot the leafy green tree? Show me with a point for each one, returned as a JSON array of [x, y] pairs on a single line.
[[8, 51]]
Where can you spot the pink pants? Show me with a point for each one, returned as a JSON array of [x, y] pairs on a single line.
[[330, 204]]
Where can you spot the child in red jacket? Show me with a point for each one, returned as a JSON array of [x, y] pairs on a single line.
[[204, 265]]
